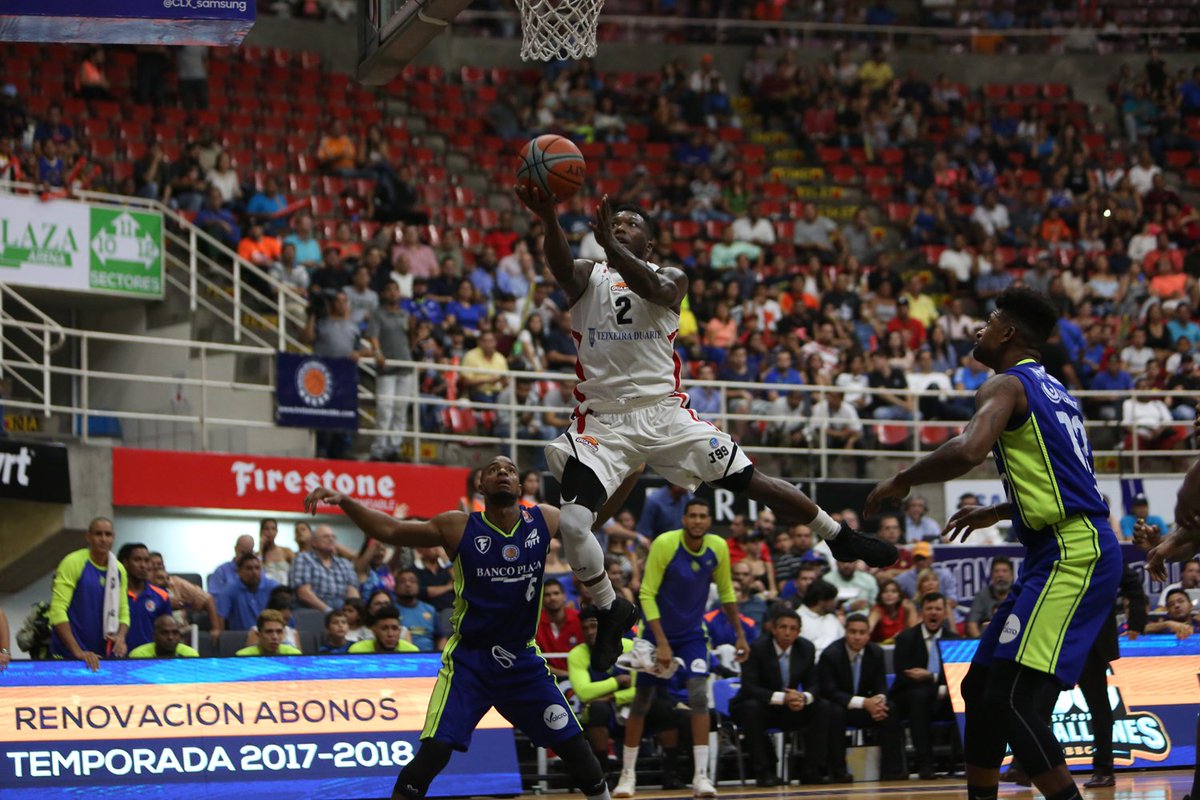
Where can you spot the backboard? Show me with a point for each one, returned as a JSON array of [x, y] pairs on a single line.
[[392, 32]]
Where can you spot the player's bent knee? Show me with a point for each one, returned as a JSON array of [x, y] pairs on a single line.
[[738, 482], [581, 486], [697, 691], [575, 522]]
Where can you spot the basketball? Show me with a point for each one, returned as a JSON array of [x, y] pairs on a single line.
[[552, 164]]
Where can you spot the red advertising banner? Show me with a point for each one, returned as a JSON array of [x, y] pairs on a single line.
[[177, 479]]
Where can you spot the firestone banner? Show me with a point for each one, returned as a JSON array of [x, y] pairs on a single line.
[[62, 244], [178, 479]]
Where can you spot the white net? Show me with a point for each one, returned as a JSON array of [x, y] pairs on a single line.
[[558, 29]]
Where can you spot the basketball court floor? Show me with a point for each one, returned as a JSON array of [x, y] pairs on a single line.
[[1149, 785]]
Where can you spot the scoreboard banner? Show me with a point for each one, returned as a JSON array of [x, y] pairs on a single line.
[[285, 727], [1153, 692]]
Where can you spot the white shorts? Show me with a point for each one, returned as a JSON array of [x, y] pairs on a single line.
[[680, 446]]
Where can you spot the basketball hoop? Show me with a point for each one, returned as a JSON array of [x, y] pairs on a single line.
[[558, 29]]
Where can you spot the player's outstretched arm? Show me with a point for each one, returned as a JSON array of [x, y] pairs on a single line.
[[444, 530], [666, 287], [995, 403], [570, 272], [967, 520]]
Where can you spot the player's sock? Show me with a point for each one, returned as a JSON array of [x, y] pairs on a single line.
[[1069, 793], [584, 553], [982, 792], [629, 756], [823, 526], [700, 756]]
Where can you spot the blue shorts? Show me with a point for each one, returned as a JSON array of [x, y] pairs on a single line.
[[516, 681], [692, 649], [1068, 585]]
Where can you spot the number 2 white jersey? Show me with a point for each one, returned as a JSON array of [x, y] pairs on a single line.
[[626, 344]]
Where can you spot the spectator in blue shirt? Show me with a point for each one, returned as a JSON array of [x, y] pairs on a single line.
[[705, 400], [1112, 379], [422, 307], [1182, 326], [421, 619], [51, 171], [1140, 509], [308, 249], [240, 603], [218, 221], [227, 573], [971, 375], [781, 373], [663, 510], [266, 203]]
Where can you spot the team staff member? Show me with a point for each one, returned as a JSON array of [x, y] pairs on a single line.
[[147, 602], [89, 605], [271, 627], [385, 625], [166, 642], [674, 593]]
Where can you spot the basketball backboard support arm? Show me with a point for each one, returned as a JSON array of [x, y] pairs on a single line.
[[392, 32]]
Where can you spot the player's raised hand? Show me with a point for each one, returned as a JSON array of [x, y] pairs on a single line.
[[321, 495], [536, 200], [891, 489], [603, 226], [967, 520]]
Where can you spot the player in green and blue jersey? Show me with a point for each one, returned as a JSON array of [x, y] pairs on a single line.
[[1043, 631]]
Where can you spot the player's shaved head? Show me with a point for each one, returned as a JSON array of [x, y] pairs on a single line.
[[500, 481]]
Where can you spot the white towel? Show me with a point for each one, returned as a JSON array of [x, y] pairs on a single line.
[[642, 658], [112, 596]]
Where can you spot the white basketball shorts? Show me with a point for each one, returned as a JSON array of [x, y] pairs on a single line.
[[680, 446]]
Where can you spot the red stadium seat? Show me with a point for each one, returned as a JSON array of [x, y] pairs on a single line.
[[1179, 159], [891, 435], [685, 229]]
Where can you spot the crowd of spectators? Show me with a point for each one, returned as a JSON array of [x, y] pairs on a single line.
[[928, 198]]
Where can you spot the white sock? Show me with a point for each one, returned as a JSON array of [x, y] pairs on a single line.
[[584, 553], [629, 758], [824, 527], [700, 756]]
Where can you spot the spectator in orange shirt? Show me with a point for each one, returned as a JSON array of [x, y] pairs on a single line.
[[1163, 259], [1055, 231], [262, 251], [90, 82], [336, 152], [1169, 281], [344, 242]]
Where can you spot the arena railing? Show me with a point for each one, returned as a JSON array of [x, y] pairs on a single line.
[[210, 275], [85, 377], [650, 28]]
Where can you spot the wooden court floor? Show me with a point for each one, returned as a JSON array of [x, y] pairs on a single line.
[[1147, 785]]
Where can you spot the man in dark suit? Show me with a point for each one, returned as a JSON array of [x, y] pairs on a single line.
[[920, 692], [768, 700], [853, 678]]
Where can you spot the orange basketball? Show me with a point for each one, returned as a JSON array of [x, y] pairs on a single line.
[[552, 164]]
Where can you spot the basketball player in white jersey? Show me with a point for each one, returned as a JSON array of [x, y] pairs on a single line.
[[631, 410]]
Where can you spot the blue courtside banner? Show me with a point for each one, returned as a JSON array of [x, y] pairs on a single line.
[[312, 392], [286, 728]]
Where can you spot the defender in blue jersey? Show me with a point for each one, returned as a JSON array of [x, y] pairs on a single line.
[[680, 568], [1043, 631], [491, 660]]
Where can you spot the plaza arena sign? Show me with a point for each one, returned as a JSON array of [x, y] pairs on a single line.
[[170, 479]]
